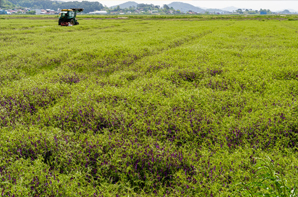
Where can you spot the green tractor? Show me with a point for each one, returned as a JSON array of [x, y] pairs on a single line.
[[69, 16]]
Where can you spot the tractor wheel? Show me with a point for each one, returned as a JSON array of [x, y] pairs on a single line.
[[72, 22], [59, 22], [77, 23]]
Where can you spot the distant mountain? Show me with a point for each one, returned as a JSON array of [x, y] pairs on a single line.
[[291, 10], [185, 7], [214, 10], [285, 12], [230, 9], [126, 5]]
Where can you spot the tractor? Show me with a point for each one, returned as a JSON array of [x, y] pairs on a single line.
[[69, 16]]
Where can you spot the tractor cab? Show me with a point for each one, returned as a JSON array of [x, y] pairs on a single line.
[[69, 16], [66, 14]]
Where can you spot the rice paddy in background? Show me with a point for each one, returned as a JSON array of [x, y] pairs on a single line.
[[139, 107]]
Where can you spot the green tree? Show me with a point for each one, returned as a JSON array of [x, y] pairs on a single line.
[[5, 4], [166, 7], [46, 4], [239, 11]]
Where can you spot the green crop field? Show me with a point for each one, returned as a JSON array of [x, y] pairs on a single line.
[[149, 106]]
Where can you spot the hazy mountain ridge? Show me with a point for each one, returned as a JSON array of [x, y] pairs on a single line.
[[230, 8], [185, 7], [126, 5], [215, 10]]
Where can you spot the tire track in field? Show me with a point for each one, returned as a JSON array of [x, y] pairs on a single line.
[[178, 43], [290, 27], [172, 45], [111, 68], [129, 65]]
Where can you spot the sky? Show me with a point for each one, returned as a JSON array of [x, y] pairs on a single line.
[[276, 5]]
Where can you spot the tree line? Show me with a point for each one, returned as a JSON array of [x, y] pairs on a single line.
[[54, 5]]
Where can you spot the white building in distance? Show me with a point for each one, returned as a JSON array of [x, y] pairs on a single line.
[[99, 12]]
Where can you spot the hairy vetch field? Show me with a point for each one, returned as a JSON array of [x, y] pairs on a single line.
[[140, 107]]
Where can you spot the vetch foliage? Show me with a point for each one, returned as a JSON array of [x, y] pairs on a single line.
[[170, 106]]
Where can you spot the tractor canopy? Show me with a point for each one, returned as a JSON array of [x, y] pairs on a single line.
[[77, 9], [73, 10]]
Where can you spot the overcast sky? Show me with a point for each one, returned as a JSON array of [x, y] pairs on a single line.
[[252, 4]]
